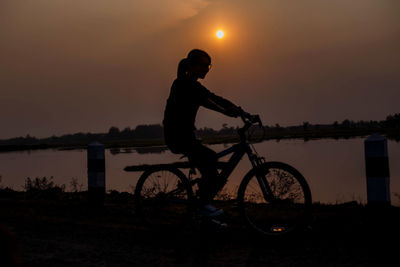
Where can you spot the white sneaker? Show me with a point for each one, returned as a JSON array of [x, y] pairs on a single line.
[[219, 224], [210, 211]]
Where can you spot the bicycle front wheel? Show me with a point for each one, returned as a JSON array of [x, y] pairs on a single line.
[[163, 195], [275, 199]]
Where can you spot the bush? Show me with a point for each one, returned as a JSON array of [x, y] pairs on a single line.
[[75, 186], [43, 187]]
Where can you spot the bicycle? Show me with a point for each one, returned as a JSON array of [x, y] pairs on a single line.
[[273, 197]]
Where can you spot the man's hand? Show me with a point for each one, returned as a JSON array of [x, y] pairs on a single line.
[[235, 111], [251, 118]]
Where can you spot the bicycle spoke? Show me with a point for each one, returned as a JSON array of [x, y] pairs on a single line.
[[162, 194], [284, 206]]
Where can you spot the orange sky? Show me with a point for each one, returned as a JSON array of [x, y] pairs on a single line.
[[80, 66]]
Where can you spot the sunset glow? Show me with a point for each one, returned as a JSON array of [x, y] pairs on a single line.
[[265, 54], [220, 34]]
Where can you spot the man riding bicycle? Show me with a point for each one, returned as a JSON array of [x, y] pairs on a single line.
[[186, 96]]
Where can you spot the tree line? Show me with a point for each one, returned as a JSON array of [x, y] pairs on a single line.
[[152, 131], [153, 134]]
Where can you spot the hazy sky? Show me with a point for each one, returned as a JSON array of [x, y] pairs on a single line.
[[85, 65]]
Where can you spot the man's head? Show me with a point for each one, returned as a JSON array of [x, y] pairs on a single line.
[[199, 63]]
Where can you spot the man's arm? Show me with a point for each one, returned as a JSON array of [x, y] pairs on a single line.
[[222, 105]]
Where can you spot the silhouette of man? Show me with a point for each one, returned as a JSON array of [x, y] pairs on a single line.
[[185, 98]]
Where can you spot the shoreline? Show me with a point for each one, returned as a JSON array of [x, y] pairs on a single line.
[[146, 143]]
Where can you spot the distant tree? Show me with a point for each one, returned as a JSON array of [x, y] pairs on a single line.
[[28, 137], [227, 130], [346, 123], [393, 121], [29, 140], [127, 132], [206, 132], [306, 125], [113, 131], [149, 131]]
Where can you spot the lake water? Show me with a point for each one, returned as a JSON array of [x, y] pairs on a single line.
[[334, 169]]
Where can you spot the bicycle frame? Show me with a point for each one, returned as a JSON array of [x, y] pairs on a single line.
[[238, 151]]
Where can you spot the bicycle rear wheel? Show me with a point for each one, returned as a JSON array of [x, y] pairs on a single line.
[[285, 205], [163, 195]]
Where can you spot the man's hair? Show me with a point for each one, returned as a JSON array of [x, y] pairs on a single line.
[[195, 55], [192, 58]]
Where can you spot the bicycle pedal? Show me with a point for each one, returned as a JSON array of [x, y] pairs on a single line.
[[215, 224], [219, 223]]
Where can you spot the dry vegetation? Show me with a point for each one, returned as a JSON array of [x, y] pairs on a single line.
[[52, 227]]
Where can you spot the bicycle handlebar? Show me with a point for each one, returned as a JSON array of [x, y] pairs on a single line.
[[248, 120]]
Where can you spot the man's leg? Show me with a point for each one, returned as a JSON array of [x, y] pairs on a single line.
[[205, 160]]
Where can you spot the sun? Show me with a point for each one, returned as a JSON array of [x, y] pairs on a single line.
[[220, 34]]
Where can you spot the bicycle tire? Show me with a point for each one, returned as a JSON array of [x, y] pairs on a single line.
[[286, 211], [163, 195]]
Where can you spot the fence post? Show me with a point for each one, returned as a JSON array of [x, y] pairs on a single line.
[[96, 173], [377, 170]]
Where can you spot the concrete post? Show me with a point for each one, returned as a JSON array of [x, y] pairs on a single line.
[[377, 169], [96, 173]]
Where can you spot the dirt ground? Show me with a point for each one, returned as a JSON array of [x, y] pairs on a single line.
[[69, 232]]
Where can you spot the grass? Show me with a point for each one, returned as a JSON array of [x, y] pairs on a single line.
[[62, 229], [63, 232]]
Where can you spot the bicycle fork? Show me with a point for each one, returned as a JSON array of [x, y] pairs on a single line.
[[261, 177]]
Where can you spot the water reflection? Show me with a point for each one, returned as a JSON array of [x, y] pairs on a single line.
[[118, 150], [335, 170], [140, 150], [153, 150]]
